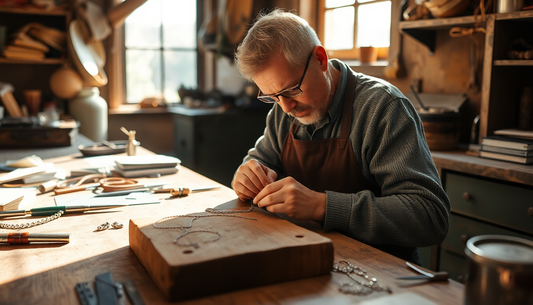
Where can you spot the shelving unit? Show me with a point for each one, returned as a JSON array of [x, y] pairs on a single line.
[[503, 78], [35, 74], [479, 188]]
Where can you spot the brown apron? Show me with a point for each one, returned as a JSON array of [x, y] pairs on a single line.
[[327, 164]]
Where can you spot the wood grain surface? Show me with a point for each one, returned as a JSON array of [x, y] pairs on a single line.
[[250, 252], [47, 274]]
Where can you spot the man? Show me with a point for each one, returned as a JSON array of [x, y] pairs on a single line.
[[340, 148]]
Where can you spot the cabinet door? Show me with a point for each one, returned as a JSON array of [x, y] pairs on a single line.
[[463, 228], [454, 264], [184, 140], [502, 204]]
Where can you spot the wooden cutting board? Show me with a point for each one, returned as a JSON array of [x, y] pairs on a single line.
[[249, 253]]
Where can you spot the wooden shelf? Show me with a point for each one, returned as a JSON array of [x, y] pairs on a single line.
[[46, 61], [437, 24], [509, 62], [515, 15], [425, 30], [32, 11]]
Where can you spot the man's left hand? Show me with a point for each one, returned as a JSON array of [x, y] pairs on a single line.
[[290, 197]]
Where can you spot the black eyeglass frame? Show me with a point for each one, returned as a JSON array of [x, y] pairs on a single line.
[[273, 98]]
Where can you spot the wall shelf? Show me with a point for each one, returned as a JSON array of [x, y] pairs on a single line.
[[32, 11], [46, 61], [509, 62], [424, 31]]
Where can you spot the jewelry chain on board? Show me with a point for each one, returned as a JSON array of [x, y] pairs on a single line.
[[214, 213], [363, 287]]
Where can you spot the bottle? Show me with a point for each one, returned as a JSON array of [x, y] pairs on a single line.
[[90, 109], [131, 146]]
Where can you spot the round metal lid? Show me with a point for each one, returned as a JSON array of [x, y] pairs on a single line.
[[500, 249]]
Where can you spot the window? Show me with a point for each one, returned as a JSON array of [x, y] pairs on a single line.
[[347, 25], [161, 49]]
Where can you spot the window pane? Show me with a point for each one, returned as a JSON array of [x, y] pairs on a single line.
[[179, 24], [364, 1], [337, 3], [339, 28], [373, 24], [180, 69], [142, 26], [143, 75]]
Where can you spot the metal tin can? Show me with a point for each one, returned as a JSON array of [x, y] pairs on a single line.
[[499, 270]]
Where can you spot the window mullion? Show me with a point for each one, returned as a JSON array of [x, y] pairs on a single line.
[[162, 55], [354, 49]]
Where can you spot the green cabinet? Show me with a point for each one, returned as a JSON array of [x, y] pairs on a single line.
[[481, 206]]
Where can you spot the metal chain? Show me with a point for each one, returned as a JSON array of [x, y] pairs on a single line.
[[214, 213], [364, 287], [193, 219], [193, 244], [17, 226]]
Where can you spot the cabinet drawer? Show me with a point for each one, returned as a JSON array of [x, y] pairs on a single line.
[[454, 264], [502, 204], [462, 228]]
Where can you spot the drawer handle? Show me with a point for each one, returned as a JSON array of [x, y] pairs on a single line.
[[467, 196], [530, 211], [464, 238]]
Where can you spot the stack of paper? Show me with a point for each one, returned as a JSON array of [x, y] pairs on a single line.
[[16, 198], [145, 166]]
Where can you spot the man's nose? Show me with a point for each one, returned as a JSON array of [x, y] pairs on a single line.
[[286, 103]]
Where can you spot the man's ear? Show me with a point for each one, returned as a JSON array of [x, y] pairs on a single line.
[[322, 57]]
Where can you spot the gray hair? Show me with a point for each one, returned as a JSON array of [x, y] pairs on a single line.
[[277, 32]]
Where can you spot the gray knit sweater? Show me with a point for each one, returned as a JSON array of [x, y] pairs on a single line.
[[391, 150]]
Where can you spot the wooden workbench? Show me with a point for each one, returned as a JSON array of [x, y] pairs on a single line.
[[39, 274]]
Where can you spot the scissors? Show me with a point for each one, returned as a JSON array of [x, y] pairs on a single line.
[[110, 184], [432, 277]]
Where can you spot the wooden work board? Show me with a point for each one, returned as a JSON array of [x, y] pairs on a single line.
[[249, 253]]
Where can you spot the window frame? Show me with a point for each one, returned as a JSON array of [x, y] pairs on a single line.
[[352, 54], [116, 55]]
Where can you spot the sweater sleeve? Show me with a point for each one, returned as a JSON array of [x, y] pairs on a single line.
[[267, 148], [391, 151]]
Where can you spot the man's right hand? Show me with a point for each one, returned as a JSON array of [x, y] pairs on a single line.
[[251, 178]]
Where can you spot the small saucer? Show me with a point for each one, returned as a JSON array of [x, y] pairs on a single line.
[[99, 148]]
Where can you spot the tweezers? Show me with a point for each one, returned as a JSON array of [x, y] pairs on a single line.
[[433, 277]]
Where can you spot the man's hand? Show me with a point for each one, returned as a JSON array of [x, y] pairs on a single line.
[[251, 178], [290, 197]]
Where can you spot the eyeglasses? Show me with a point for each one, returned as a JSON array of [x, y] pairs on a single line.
[[289, 92]]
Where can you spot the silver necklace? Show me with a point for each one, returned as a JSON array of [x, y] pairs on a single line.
[[193, 244], [42, 221], [214, 213], [360, 287], [193, 218]]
